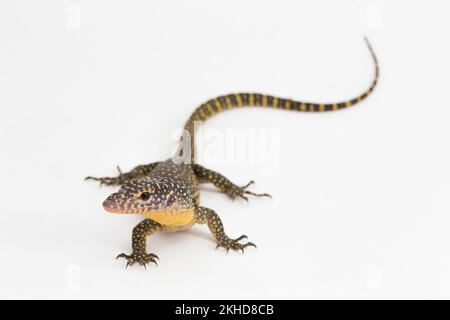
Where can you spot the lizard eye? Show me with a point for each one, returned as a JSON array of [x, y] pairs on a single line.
[[144, 196]]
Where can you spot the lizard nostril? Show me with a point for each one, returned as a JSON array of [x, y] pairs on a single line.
[[111, 203], [107, 204]]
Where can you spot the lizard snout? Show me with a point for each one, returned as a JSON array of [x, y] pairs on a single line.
[[113, 203]]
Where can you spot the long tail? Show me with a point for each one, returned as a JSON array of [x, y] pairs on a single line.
[[238, 100]]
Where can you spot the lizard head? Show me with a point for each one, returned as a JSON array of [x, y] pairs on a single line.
[[142, 196]]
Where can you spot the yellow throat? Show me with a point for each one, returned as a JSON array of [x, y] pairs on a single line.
[[175, 217]]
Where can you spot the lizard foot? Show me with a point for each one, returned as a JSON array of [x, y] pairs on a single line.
[[242, 192], [234, 244], [141, 258], [107, 180]]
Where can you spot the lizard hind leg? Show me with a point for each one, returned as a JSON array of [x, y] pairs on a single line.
[[225, 185], [207, 216]]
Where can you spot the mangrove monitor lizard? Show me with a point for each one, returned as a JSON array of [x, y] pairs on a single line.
[[166, 193]]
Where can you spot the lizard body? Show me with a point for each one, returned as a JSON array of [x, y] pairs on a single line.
[[166, 193]]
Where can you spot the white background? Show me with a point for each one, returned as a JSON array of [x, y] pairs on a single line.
[[360, 208]]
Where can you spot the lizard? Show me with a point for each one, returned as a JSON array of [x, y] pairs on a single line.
[[166, 193]]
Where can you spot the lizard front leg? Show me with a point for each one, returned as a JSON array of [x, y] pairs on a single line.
[[139, 242], [207, 216], [224, 184], [138, 172]]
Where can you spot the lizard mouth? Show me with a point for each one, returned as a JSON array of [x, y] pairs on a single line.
[[115, 204], [119, 203]]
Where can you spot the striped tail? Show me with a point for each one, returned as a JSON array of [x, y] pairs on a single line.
[[238, 100]]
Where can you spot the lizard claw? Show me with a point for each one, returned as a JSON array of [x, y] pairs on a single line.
[[242, 192], [140, 258], [241, 238], [109, 181], [234, 244], [105, 180], [122, 255], [248, 184], [258, 194]]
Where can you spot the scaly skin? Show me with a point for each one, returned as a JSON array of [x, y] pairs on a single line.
[[166, 192]]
